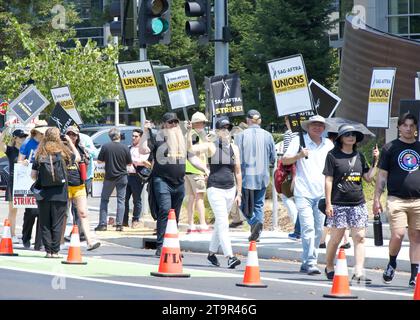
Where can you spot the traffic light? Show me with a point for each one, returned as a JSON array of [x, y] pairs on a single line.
[[154, 22], [201, 27], [126, 26]]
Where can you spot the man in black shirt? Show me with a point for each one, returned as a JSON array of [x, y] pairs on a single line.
[[399, 173], [169, 150], [116, 157]]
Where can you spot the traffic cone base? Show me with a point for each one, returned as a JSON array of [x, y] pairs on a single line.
[[74, 256], [417, 289], [170, 263], [6, 244], [341, 288], [252, 269]]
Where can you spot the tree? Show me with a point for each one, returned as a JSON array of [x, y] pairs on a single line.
[[88, 70]]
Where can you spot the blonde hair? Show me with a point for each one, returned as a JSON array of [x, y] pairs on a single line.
[[52, 144]]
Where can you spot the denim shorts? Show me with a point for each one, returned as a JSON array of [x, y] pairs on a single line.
[[349, 217]]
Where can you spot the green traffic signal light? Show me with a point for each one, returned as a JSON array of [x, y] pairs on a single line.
[[159, 26], [154, 25]]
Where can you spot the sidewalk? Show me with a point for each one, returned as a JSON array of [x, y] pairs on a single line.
[[273, 245]]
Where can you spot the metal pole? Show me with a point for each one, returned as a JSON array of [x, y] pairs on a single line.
[[142, 57], [221, 52], [117, 98], [275, 204]]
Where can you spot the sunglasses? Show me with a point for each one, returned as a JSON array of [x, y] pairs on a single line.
[[349, 134], [172, 121]]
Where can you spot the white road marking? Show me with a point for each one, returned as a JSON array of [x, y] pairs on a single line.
[[129, 284]]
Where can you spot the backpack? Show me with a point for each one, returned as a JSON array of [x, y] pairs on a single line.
[[52, 171], [284, 174]]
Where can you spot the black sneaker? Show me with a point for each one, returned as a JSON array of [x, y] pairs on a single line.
[[100, 228], [235, 224], [119, 228], [67, 238], [233, 262], [94, 246], [213, 260], [158, 251], [255, 231], [412, 283], [322, 245], [26, 244], [388, 274], [346, 246], [360, 279], [330, 275]]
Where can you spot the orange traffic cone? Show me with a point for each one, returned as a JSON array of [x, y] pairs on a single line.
[[170, 264], [252, 270], [74, 256], [341, 288], [417, 289], [6, 245]]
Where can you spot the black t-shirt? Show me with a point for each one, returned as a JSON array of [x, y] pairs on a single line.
[[347, 171], [222, 166], [57, 193], [401, 161], [172, 171], [116, 157], [73, 173], [12, 154]]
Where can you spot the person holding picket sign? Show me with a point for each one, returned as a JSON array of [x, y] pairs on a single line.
[[51, 187], [77, 188], [11, 149], [344, 170]]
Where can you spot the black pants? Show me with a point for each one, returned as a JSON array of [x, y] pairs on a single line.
[[51, 215], [28, 222], [134, 188]]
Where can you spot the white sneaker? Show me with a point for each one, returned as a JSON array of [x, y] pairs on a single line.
[[15, 240]]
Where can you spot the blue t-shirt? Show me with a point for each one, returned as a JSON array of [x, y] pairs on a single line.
[[27, 147]]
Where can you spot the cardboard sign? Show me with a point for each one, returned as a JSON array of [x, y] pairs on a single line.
[[139, 84], [290, 85], [380, 97], [413, 107], [326, 102], [295, 117], [98, 180], [28, 104], [226, 95], [63, 96], [179, 87], [60, 119], [22, 182]]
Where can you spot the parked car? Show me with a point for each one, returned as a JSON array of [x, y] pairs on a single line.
[[99, 134], [4, 173]]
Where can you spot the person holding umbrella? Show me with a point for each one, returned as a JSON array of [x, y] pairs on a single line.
[[344, 170]]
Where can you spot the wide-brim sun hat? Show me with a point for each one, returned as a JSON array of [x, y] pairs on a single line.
[[345, 128], [198, 117], [317, 118]]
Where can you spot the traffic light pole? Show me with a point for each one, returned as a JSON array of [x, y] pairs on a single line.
[[142, 57], [221, 58], [117, 98]]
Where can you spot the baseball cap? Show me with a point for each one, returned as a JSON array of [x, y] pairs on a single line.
[[168, 116], [253, 114], [19, 133], [198, 117], [221, 122], [73, 129]]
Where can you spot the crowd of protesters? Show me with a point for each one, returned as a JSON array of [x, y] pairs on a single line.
[[232, 167]]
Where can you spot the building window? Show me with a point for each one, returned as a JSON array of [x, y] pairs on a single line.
[[404, 18]]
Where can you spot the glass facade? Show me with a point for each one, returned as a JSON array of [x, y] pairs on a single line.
[[404, 18]]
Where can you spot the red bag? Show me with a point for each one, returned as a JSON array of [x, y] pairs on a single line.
[[282, 173]]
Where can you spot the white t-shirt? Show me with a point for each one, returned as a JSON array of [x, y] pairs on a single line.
[[136, 156], [309, 180]]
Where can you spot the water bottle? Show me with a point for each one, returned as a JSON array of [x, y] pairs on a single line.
[[377, 231], [83, 173]]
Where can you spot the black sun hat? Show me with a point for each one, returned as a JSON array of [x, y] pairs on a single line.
[[345, 128]]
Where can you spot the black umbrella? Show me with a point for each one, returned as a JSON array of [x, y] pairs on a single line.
[[336, 122]]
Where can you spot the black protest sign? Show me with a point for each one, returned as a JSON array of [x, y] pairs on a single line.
[[413, 107], [325, 101], [61, 119], [28, 104], [296, 119], [226, 95]]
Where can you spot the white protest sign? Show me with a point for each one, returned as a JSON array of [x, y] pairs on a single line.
[[139, 84], [98, 180], [380, 97], [417, 86], [179, 87], [290, 85], [22, 182], [63, 96]]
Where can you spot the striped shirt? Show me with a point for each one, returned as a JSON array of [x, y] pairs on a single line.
[[288, 136]]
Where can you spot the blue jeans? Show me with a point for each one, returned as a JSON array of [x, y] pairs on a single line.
[[311, 225], [258, 211], [167, 197], [109, 185], [134, 188]]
